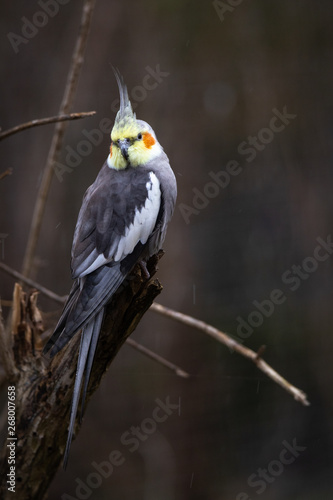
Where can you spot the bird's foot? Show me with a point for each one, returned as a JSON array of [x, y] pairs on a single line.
[[144, 269], [153, 262], [150, 267]]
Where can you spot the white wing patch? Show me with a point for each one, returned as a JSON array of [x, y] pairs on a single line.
[[144, 220], [98, 262]]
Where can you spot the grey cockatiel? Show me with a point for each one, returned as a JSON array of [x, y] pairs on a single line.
[[122, 221]]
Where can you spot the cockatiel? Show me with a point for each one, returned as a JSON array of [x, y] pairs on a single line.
[[122, 221]]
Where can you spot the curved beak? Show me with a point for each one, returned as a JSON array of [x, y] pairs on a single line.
[[124, 144]]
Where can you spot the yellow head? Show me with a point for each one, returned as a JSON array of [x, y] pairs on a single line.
[[133, 142]]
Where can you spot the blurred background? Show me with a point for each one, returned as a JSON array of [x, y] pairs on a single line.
[[242, 90]]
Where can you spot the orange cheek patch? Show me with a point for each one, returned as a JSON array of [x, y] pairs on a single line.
[[149, 140], [111, 150]]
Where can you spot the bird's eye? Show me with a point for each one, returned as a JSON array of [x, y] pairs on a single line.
[[140, 136]]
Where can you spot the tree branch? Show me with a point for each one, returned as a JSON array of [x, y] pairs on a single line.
[[43, 121], [228, 341], [70, 89], [33, 284], [159, 359]]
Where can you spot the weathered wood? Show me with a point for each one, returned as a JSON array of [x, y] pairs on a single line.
[[44, 389]]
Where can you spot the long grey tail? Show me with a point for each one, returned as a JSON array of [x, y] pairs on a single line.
[[89, 338]]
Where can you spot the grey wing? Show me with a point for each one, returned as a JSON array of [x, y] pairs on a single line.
[[119, 210], [117, 217]]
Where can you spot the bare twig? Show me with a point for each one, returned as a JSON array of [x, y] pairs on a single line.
[[156, 357], [235, 346], [6, 172], [221, 337], [33, 284], [70, 89], [43, 121], [6, 303]]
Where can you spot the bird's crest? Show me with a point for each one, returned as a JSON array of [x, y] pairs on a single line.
[[125, 122]]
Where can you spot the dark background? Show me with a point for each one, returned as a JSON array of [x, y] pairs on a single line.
[[226, 73]]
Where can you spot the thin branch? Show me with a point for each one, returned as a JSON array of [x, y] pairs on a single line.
[[33, 284], [9, 171], [223, 338], [44, 121], [6, 303], [57, 140], [156, 357]]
